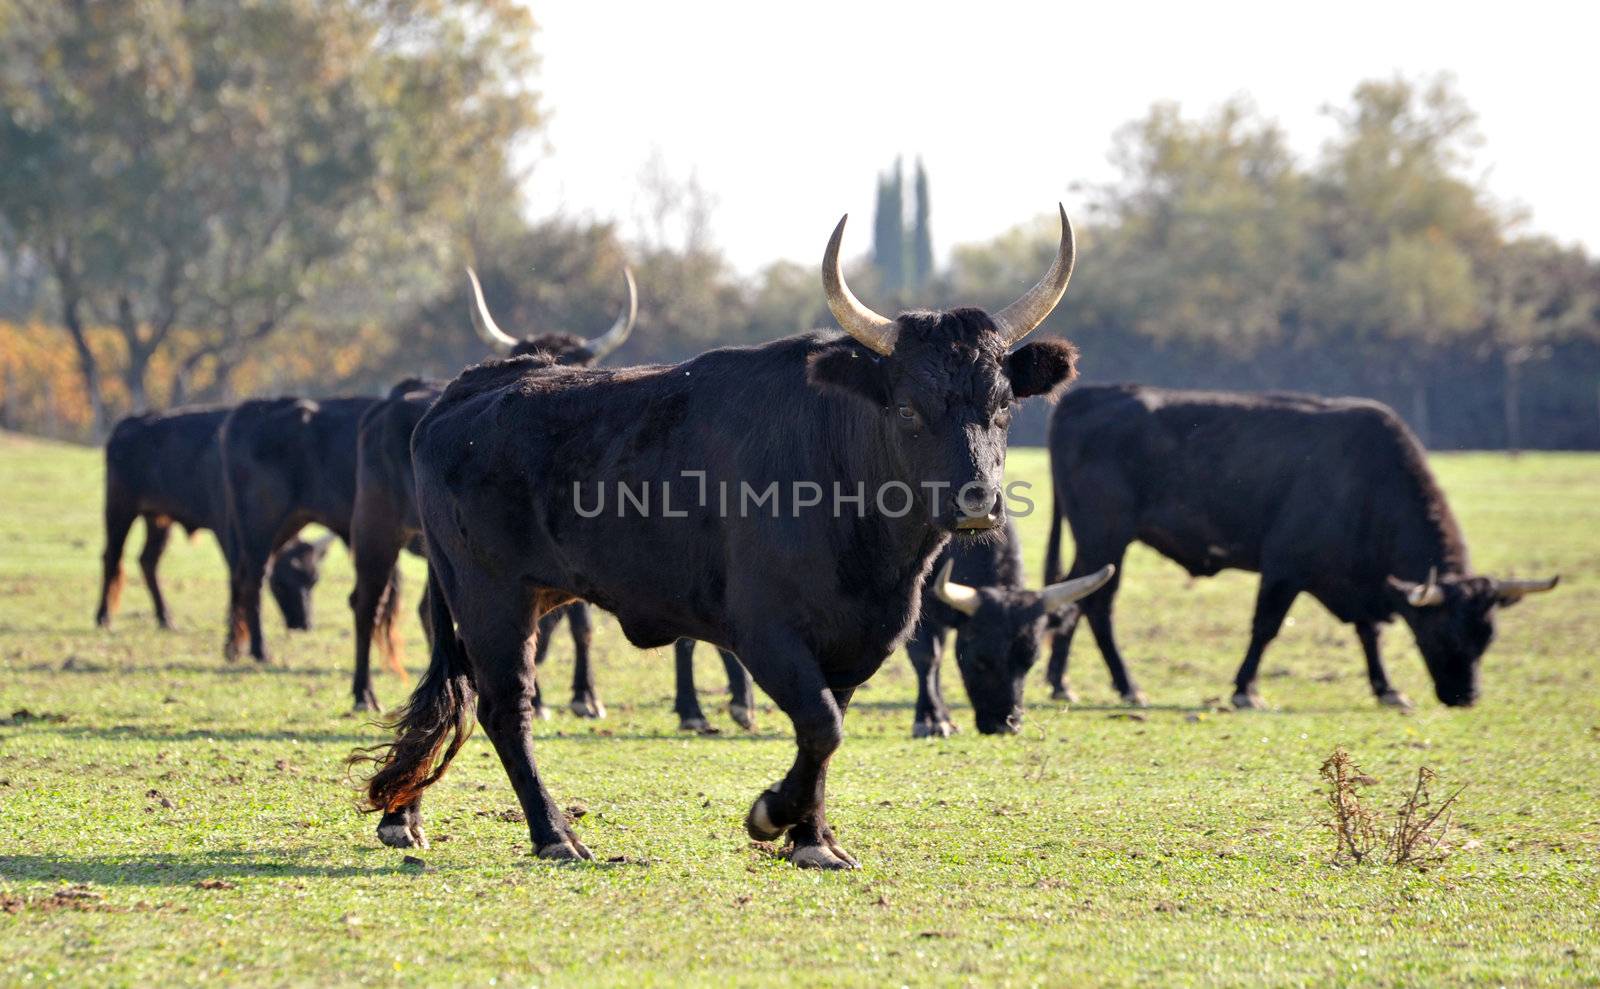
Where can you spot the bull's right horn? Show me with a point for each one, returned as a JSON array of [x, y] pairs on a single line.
[[860, 322], [484, 323], [958, 596], [1058, 596]]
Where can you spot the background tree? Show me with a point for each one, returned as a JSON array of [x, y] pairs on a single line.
[[921, 234], [198, 174], [889, 234]]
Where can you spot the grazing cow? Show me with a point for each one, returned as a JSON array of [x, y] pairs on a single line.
[[1332, 497], [812, 597], [286, 462], [164, 467], [999, 627]]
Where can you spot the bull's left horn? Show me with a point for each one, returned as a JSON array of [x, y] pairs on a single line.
[[1058, 596], [610, 340], [958, 596], [484, 323], [860, 322], [1023, 316], [1515, 590]]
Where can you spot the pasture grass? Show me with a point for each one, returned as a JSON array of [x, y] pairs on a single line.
[[166, 819]]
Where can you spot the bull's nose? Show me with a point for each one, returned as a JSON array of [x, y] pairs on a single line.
[[976, 506]]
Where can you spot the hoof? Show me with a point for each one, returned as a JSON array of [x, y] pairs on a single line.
[[587, 707], [744, 717], [402, 835], [541, 712], [1064, 693], [821, 857], [758, 823], [1248, 700], [368, 703], [941, 728], [1394, 698], [1136, 698], [571, 850], [700, 726]]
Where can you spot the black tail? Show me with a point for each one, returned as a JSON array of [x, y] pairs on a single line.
[[1052, 555], [435, 722]]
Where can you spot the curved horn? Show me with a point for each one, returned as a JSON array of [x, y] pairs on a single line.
[[1023, 316], [860, 322], [1427, 595], [484, 323], [1516, 590], [958, 596], [611, 339], [1058, 596]]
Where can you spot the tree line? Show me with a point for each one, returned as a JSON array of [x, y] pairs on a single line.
[[202, 200]]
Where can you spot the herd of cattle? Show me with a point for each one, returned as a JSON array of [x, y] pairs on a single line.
[[483, 476]]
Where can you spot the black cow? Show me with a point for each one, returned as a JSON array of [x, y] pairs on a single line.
[[164, 467], [385, 516], [999, 627], [286, 463], [1332, 497], [812, 598]]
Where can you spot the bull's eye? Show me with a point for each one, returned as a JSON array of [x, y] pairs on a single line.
[[906, 411]]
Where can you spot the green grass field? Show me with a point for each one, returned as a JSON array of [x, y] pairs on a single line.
[[165, 819]]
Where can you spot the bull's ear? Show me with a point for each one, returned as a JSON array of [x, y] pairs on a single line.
[[848, 368], [1043, 367]]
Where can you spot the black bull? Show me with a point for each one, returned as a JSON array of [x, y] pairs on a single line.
[[812, 600], [286, 463], [384, 521], [165, 467], [1331, 497]]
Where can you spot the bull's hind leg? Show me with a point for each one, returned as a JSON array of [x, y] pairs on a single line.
[[585, 698], [156, 532], [796, 803], [541, 651], [502, 658], [119, 519], [742, 705], [686, 700], [375, 558]]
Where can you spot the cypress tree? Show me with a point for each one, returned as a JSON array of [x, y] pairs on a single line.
[[921, 235]]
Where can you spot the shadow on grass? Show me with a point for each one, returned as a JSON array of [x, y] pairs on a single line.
[[143, 733], [176, 869]]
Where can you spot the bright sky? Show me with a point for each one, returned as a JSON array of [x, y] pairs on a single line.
[[786, 111]]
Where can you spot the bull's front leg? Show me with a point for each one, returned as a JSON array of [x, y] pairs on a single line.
[[796, 803]]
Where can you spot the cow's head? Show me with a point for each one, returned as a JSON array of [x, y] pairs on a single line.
[[999, 641], [295, 572], [565, 348], [1453, 620], [944, 383]]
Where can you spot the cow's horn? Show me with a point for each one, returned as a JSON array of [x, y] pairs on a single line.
[[1058, 596], [1516, 590], [484, 323], [611, 339], [958, 596], [1427, 595], [1023, 316], [858, 321]]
